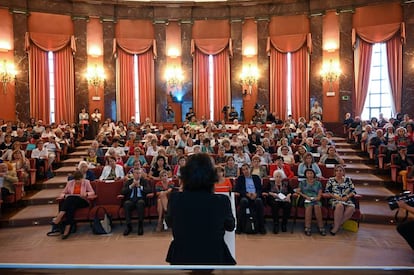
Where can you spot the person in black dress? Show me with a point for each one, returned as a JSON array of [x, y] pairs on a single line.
[[199, 218]]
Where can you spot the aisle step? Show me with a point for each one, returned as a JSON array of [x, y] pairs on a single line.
[[34, 215], [359, 168], [365, 178], [73, 161], [55, 182], [371, 192], [378, 211], [64, 170], [45, 196], [80, 153]]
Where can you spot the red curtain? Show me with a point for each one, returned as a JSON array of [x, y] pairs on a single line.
[[64, 85], [146, 85], [300, 83], [362, 60], [200, 94], [135, 37], [394, 59], [39, 84], [295, 38], [377, 24], [126, 85], [221, 72], [211, 37], [278, 82], [51, 32]]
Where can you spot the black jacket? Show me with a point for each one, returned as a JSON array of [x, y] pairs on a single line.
[[240, 186], [199, 221], [146, 188]]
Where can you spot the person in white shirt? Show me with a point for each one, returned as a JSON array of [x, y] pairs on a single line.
[[189, 148], [241, 157], [48, 133], [39, 128], [118, 150], [40, 154], [152, 150], [112, 171], [52, 148]]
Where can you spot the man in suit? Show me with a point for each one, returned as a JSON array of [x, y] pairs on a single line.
[[135, 191], [250, 189]]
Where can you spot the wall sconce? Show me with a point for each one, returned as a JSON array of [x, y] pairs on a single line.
[[330, 72], [249, 52], [173, 52], [95, 77], [174, 77], [249, 77], [95, 51], [7, 74]]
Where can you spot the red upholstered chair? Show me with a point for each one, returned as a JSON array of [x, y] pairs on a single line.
[[12, 199], [410, 181], [381, 156], [327, 172], [107, 197]]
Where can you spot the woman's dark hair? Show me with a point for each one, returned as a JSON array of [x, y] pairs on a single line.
[[199, 173], [310, 170]]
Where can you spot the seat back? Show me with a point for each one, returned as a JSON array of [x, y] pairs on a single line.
[[107, 192]]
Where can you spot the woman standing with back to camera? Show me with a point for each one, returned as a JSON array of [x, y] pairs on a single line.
[[199, 218]]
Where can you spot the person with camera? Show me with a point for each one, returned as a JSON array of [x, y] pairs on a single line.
[[170, 114], [233, 114], [189, 114], [406, 229]]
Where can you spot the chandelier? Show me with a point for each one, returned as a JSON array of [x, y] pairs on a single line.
[[96, 77], [330, 72], [249, 77]]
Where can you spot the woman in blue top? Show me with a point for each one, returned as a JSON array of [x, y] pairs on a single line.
[[311, 190], [309, 163], [136, 157]]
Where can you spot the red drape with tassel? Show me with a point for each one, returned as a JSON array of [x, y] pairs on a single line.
[[64, 85], [300, 83], [39, 84]]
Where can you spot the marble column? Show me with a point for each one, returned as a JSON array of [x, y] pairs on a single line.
[[109, 66], [315, 82], [346, 56], [21, 62], [187, 63], [408, 62], [160, 63], [263, 63], [236, 61], [81, 62]]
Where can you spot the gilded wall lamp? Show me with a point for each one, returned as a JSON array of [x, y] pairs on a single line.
[[96, 77], [249, 77], [7, 74], [330, 72]]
